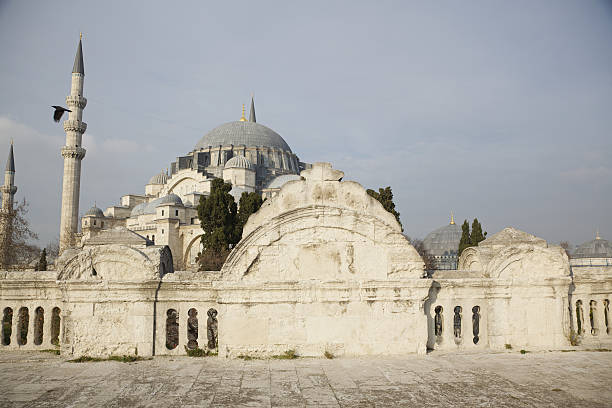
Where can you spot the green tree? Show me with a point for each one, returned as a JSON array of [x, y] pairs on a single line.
[[249, 204], [218, 218], [465, 241], [385, 197], [476, 236], [42, 263]]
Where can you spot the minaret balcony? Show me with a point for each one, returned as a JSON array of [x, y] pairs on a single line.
[[73, 152], [76, 101], [9, 189], [75, 126]]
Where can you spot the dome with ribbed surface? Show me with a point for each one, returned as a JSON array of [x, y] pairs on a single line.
[[597, 248], [238, 162], [249, 134], [279, 181], [444, 241], [94, 212], [161, 178]]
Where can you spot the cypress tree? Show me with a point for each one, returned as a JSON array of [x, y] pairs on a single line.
[[465, 241], [385, 197], [218, 217], [477, 235], [42, 263]]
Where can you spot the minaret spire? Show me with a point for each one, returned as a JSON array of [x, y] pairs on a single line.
[[252, 113], [73, 153], [9, 189]]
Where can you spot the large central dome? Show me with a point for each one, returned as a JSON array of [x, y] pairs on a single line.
[[249, 134]]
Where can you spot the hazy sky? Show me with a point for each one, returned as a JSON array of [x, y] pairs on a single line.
[[500, 110]]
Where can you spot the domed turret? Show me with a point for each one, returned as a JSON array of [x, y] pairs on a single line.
[[94, 212]]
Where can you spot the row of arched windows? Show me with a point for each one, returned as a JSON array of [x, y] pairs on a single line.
[[22, 326], [594, 318], [457, 323], [172, 329]]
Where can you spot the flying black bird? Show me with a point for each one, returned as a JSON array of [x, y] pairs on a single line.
[[59, 111]]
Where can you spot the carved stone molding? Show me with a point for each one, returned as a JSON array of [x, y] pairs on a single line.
[[73, 152]]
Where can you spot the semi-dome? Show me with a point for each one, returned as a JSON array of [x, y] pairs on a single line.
[[94, 212], [238, 162], [249, 134], [161, 178], [443, 241], [597, 248], [279, 181]]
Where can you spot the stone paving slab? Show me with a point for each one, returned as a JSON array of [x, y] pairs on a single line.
[[548, 379]]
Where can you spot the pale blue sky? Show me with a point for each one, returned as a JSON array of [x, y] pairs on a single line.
[[495, 109]]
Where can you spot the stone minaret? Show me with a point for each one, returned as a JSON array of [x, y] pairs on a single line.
[[73, 153], [9, 189]]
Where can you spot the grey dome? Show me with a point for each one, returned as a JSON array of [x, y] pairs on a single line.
[[444, 241], [238, 162], [150, 207], [161, 178], [597, 248], [249, 134], [280, 181], [94, 212]]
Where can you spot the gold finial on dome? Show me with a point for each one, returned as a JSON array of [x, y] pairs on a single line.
[[81, 35], [597, 234], [242, 118], [452, 218]]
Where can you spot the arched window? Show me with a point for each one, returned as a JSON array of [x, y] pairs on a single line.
[[579, 318], [23, 321], [55, 326], [192, 329], [457, 322], [172, 329], [476, 323], [593, 317], [39, 321], [7, 326], [606, 304], [438, 321]]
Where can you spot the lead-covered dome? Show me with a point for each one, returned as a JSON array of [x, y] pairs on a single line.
[[280, 181], [249, 134], [597, 248], [238, 162], [161, 178], [443, 241], [94, 212]]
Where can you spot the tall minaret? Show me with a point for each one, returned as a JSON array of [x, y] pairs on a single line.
[[73, 153], [9, 189]]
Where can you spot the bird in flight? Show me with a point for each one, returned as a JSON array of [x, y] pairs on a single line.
[[59, 111]]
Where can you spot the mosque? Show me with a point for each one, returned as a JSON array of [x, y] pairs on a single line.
[[321, 268]]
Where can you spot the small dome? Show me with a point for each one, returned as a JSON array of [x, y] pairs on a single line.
[[172, 199], [94, 212], [150, 207], [161, 178], [249, 134], [238, 162], [280, 181], [597, 248], [444, 241]]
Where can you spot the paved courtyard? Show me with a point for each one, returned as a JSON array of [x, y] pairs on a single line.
[[550, 379]]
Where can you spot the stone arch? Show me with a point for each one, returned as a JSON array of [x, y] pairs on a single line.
[[188, 250], [177, 183], [7, 326], [23, 323], [55, 326], [39, 323], [470, 260]]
